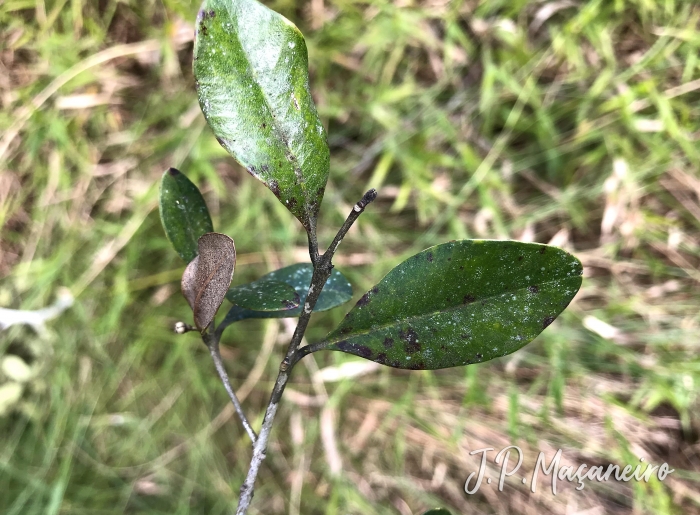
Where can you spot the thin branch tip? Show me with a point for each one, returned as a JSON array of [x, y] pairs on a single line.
[[182, 328], [368, 197], [213, 344]]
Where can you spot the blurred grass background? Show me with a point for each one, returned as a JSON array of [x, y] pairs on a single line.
[[570, 122]]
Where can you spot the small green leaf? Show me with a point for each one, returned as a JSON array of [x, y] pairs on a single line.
[[437, 511], [336, 292], [459, 303], [251, 74], [207, 278], [265, 294], [184, 214]]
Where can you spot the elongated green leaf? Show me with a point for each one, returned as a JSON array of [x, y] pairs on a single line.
[[459, 303], [251, 72], [183, 213], [265, 294], [337, 291], [207, 278]]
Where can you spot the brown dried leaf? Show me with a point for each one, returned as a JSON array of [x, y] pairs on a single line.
[[208, 277], [217, 258], [188, 283]]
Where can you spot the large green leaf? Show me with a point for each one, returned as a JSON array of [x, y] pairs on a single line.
[[459, 303], [251, 72], [183, 213], [265, 294], [336, 292]]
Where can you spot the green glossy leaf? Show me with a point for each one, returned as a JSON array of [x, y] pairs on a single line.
[[184, 214], [337, 291], [265, 294], [459, 303], [251, 73], [207, 278], [437, 511]]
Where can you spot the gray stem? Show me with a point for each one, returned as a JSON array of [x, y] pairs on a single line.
[[212, 343], [322, 271]]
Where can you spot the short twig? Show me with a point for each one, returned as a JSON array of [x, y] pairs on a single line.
[[322, 271], [212, 342]]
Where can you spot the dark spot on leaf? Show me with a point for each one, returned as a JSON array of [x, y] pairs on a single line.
[[275, 188], [381, 358], [264, 168], [468, 299], [174, 171], [443, 347], [388, 343], [364, 300], [364, 351], [484, 302], [411, 338], [418, 365], [202, 28], [543, 250], [212, 14], [479, 355], [461, 268], [264, 126], [221, 141], [449, 259], [547, 322], [320, 191], [292, 203], [533, 289], [396, 364], [345, 330], [352, 348], [375, 289], [430, 257], [289, 304], [520, 258], [466, 336]]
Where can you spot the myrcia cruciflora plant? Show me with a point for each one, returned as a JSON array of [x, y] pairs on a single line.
[[450, 305]]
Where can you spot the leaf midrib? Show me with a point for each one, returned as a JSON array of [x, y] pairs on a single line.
[[403, 320], [273, 119]]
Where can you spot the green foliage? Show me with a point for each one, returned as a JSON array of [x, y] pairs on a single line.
[[437, 511], [413, 113], [251, 71], [459, 303], [265, 294], [337, 291], [183, 213]]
